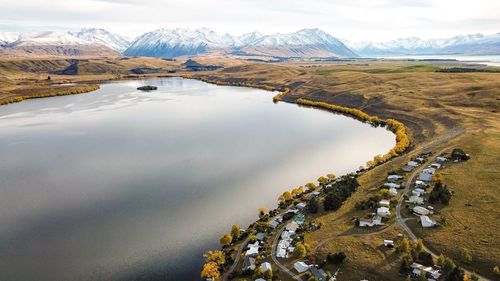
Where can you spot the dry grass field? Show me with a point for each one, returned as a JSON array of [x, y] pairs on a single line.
[[432, 105]]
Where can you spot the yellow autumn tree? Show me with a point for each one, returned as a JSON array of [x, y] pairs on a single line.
[[226, 239], [215, 256], [210, 270]]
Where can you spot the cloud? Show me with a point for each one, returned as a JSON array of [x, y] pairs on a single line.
[[354, 19]]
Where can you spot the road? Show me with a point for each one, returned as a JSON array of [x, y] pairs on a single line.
[[273, 254], [226, 274]]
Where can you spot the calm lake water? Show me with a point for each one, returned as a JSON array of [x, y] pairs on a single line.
[[120, 184], [491, 60]]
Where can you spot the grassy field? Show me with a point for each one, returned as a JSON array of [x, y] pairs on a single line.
[[431, 105]]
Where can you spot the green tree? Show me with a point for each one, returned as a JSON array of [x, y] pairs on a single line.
[[312, 205], [226, 239], [406, 262], [474, 276], [448, 265], [332, 202], [235, 232], [466, 256], [440, 260]]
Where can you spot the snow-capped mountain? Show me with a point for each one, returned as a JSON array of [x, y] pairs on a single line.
[[179, 42], [472, 44], [303, 43], [100, 36], [52, 43]]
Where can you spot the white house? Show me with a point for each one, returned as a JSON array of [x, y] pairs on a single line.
[[393, 192], [420, 159], [419, 210], [427, 222], [441, 159], [292, 226], [300, 266], [384, 203], [394, 177], [430, 170], [265, 266], [389, 243], [392, 185], [419, 183], [418, 191], [416, 200], [383, 212], [300, 205], [253, 249], [376, 220], [417, 268], [436, 165]]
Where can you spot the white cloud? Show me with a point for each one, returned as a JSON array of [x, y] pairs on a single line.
[[353, 20]]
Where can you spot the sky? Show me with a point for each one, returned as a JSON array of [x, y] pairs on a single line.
[[351, 20]]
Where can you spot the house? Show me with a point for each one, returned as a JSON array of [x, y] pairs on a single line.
[[416, 200], [393, 192], [424, 176], [441, 159], [412, 164], [260, 236], [265, 266], [419, 210], [436, 165], [249, 263], [253, 249], [418, 268], [300, 205], [300, 266], [292, 226], [407, 168], [427, 222], [392, 185], [394, 177], [418, 191], [420, 160], [429, 170], [376, 220], [299, 219], [383, 212], [419, 183], [319, 274], [384, 203], [389, 243]]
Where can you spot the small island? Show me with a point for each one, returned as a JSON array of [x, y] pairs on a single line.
[[147, 88]]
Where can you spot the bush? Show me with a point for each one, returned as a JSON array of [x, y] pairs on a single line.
[[336, 258], [312, 205], [459, 154]]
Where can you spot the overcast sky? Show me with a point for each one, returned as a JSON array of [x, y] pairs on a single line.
[[354, 20]]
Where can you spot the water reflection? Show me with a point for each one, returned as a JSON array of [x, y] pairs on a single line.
[[120, 184]]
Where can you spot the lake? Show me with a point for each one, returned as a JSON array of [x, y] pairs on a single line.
[[120, 184], [491, 60]]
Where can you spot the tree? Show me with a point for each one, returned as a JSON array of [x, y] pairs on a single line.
[[457, 274], [268, 274], [332, 202], [448, 265], [440, 260], [384, 193], [404, 246], [300, 250], [406, 262], [286, 196], [262, 212], [336, 258], [210, 270], [310, 186], [496, 270], [322, 180], [331, 176], [226, 239], [426, 258], [297, 191], [422, 276], [419, 247], [312, 205], [215, 256], [474, 276], [235, 232], [466, 256]]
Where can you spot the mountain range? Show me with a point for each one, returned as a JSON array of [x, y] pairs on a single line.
[[187, 42]]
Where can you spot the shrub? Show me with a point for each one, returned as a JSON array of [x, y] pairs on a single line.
[[336, 258]]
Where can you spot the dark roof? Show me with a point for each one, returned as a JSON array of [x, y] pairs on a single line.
[[319, 273]]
